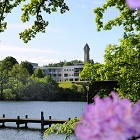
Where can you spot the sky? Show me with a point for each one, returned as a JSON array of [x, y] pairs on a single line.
[[65, 37]]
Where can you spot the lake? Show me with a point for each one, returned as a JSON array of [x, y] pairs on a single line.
[[58, 110]]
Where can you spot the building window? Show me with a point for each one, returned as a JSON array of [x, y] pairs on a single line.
[[76, 69], [65, 75], [76, 74], [58, 71], [71, 79]]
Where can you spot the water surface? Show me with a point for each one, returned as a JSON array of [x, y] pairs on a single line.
[[58, 110]]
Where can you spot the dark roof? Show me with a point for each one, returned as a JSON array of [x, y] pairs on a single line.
[[86, 46]]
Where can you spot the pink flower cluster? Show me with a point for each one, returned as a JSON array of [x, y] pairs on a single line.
[[109, 119], [133, 4]]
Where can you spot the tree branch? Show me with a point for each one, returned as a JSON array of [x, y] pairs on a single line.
[[3, 10], [39, 8]]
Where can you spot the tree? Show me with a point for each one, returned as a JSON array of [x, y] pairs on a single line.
[[122, 64], [39, 89], [5, 67], [38, 73], [8, 63], [19, 73], [49, 80], [34, 8], [3, 81], [64, 63], [128, 67], [19, 77], [28, 66], [91, 71], [76, 61]]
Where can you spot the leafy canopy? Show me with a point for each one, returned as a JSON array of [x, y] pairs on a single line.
[[34, 8], [129, 19], [122, 64], [8, 63], [28, 66]]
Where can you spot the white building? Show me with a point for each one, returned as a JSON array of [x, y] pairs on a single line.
[[65, 73]]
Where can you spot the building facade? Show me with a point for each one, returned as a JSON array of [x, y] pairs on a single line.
[[66, 73]]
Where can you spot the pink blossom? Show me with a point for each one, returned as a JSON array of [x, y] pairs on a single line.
[[133, 4], [109, 119], [136, 117]]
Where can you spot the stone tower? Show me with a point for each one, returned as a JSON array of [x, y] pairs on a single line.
[[86, 53]]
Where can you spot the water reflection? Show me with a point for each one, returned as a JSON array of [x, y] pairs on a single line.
[[21, 134]]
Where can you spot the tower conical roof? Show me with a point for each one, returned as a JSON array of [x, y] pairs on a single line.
[[86, 46]]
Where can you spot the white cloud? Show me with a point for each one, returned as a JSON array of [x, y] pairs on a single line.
[[97, 2], [26, 26], [18, 49], [91, 3], [42, 60], [40, 56], [83, 6], [51, 29], [18, 26]]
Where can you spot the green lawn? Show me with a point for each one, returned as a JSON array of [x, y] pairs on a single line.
[[65, 84], [68, 84]]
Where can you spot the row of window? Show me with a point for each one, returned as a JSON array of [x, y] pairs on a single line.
[[59, 70], [68, 69], [71, 79], [65, 75], [54, 70], [75, 69]]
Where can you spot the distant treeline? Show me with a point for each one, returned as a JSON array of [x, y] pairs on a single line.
[[64, 63], [21, 82]]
